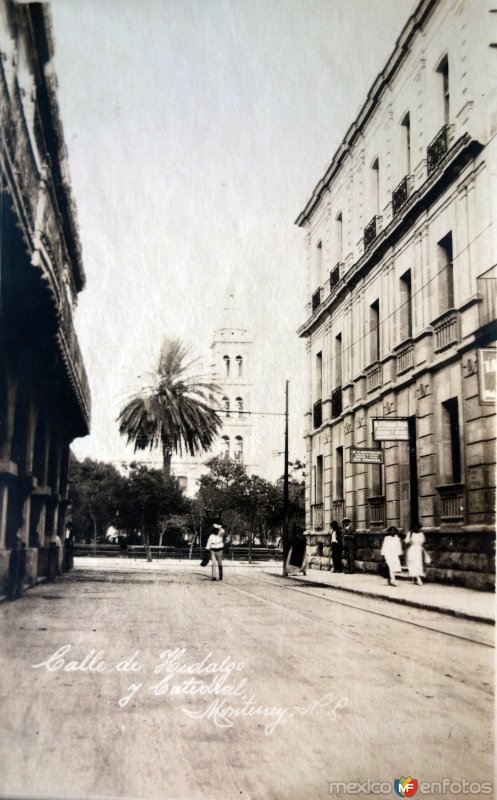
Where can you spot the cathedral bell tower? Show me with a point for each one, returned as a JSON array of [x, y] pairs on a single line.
[[232, 363]]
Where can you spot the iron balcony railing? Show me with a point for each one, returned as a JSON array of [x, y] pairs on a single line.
[[316, 299], [451, 504], [336, 402], [317, 516], [317, 414], [405, 358], [370, 232], [335, 276], [487, 289], [373, 378], [446, 331], [437, 149], [399, 195]]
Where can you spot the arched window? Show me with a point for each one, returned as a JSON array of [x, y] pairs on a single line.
[[443, 71], [239, 361], [226, 360], [225, 447], [226, 404], [239, 405], [238, 453], [375, 186]]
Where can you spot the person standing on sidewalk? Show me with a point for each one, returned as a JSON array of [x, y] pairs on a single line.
[[215, 543], [391, 550], [336, 546], [297, 556], [416, 555], [349, 544]]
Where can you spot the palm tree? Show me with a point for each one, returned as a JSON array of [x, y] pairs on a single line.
[[174, 411]]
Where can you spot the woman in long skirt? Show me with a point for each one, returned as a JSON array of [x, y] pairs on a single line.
[[391, 550], [415, 557]]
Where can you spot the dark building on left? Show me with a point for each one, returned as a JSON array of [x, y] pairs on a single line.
[[44, 393]]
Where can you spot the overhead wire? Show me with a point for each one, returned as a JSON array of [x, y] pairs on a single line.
[[424, 286]]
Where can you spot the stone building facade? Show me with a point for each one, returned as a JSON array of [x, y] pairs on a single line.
[[400, 323], [231, 369], [44, 393]]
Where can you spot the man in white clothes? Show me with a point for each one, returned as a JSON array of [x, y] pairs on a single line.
[[215, 543]]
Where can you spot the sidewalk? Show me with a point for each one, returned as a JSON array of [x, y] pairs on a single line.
[[454, 600]]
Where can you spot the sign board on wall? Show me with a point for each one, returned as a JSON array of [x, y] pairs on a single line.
[[487, 358], [366, 455], [390, 429]]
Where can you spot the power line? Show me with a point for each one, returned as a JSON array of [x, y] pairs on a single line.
[[250, 413], [364, 336]]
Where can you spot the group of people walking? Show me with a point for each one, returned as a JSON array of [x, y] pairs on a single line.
[[344, 552], [416, 555], [343, 547]]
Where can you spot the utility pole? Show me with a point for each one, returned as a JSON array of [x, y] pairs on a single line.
[[285, 487]]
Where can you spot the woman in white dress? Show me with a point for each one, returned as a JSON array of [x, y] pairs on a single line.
[[391, 550], [416, 555]]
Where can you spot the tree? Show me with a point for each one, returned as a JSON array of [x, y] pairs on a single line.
[[95, 488], [223, 487], [150, 496], [175, 412]]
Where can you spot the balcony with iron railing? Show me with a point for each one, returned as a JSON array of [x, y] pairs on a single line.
[[400, 195], [336, 402], [437, 149], [335, 275], [316, 299], [446, 330], [318, 516], [317, 414], [487, 290], [376, 511], [370, 232], [373, 377], [451, 504], [405, 358]]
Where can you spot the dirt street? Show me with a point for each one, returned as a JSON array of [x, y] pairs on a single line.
[[151, 681]]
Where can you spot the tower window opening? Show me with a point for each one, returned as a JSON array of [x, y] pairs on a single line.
[[239, 361], [238, 449]]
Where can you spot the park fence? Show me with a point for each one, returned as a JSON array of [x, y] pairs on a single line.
[[175, 553]]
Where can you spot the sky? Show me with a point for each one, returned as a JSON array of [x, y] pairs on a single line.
[[196, 131]]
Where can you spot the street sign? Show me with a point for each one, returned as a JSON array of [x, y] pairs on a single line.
[[487, 357], [390, 429], [366, 455]]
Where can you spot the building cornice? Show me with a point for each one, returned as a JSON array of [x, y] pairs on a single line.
[[415, 23], [461, 153]]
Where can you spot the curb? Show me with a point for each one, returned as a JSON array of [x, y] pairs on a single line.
[[453, 612]]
